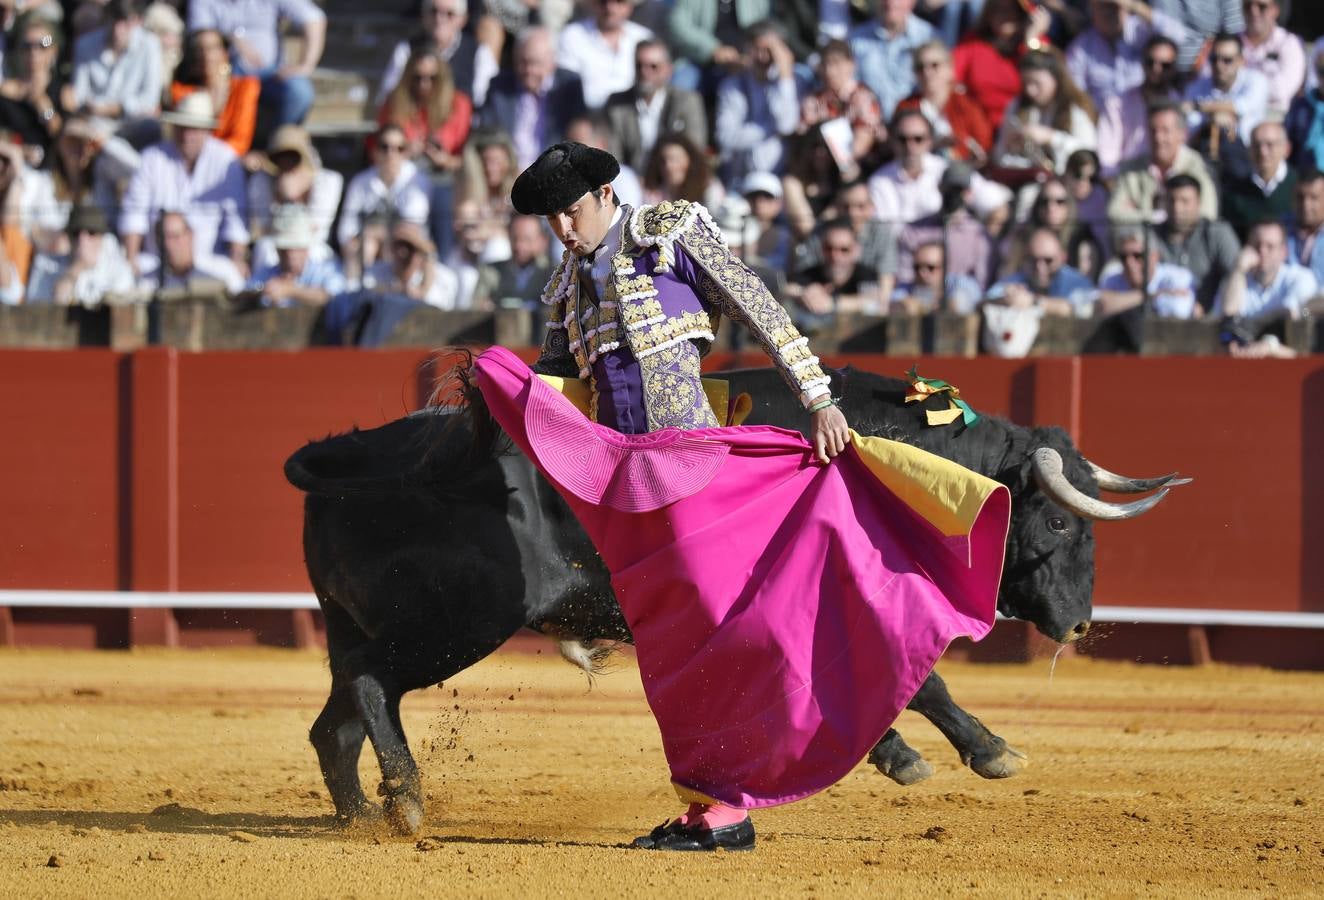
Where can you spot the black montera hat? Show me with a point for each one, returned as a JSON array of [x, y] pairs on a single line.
[[564, 173]]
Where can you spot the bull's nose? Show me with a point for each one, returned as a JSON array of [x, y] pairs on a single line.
[[1075, 634]]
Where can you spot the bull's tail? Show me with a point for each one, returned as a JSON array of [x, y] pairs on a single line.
[[435, 448]]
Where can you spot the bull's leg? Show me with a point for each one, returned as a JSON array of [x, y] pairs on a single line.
[[338, 736], [407, 656], [376, 698], [898, 761], [338, 733], [980, 749]]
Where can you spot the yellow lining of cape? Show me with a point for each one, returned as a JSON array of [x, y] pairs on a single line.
[[718, 392], [946, 494]]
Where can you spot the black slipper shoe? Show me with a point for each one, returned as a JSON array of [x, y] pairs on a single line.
[[673, 836]]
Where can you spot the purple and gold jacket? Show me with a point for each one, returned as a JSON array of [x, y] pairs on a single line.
[[665, 279]]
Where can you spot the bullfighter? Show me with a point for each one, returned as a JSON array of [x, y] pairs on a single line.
[[785, 603]]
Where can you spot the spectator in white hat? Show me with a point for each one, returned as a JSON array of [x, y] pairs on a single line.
[[771, 243], [191, 172], [94, 268], [297, 278]]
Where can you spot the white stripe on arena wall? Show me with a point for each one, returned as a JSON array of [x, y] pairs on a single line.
[[245, 600]]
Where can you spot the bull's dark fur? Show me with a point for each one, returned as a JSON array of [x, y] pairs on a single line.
[[429, 541]]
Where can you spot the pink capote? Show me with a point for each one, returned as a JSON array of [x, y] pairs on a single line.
[[784, 612]]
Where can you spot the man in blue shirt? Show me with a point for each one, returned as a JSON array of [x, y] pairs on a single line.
[[296, 279], [1306, 245], [884, 48], [1264, 283], [1046, 282], [1168, 288]]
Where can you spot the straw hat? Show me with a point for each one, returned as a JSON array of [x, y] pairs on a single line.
[[193, 111], [292, 227], [290, 139]]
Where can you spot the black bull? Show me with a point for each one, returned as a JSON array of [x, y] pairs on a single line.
[[428, 547]]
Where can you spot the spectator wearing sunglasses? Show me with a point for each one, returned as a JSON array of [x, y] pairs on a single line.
[[30, 100], [443, 25], [1054, 208], [1045, 282], [933, 289], [1107, 59], [93, 268], [1202, 18], [1274, 52], [839, 284], [1231, 98], [909, 188], [652, 109], [1122, 131], [1144, 280], [961, 129], [390, 190]]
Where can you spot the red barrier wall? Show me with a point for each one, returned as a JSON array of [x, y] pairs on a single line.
[[161, 470]]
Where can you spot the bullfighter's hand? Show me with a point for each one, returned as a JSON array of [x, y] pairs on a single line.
[[829, 433]]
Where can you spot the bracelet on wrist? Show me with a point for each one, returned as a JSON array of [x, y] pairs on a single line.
[[820, 405]]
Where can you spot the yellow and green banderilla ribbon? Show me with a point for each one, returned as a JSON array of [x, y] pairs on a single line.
[[924, 388]]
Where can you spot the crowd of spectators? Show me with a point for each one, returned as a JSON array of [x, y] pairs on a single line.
[[1019, 159]]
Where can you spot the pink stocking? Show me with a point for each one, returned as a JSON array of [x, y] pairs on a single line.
[[712, 816]]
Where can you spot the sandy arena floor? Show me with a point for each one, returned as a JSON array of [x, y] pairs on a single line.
[[189, 774]]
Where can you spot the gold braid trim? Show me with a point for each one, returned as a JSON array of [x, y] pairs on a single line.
[[729, 285]]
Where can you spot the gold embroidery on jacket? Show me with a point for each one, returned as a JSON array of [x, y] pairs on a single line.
[[673, 389]]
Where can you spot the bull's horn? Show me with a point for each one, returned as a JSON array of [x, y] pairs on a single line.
[[1048, 473], [1120, 484]]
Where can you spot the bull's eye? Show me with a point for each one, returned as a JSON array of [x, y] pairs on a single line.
[[1057, 524]]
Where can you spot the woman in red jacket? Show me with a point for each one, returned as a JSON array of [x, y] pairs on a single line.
[[961, 130], [987, 59], [434, 116]]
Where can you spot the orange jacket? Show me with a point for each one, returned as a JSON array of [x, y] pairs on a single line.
[[239, 118]]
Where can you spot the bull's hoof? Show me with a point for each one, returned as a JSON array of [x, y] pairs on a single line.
[[404, 812], [998, 760], [359, 815], [904, 766]]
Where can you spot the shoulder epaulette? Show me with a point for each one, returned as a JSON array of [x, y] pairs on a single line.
[[662, 224], [558, 286]]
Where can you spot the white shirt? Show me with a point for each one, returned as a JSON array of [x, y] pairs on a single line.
[[210, 197], [131, 79], [210, 268], [110, 275], [466, 278], [628, 187], [1289, 290], [443, 293], [41, 211], [1268, 187], [1282, 61], [1171, 290], [323, 201], [650, 118], [900, 199], [1249, 95], [604, 69], [408, 197]]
